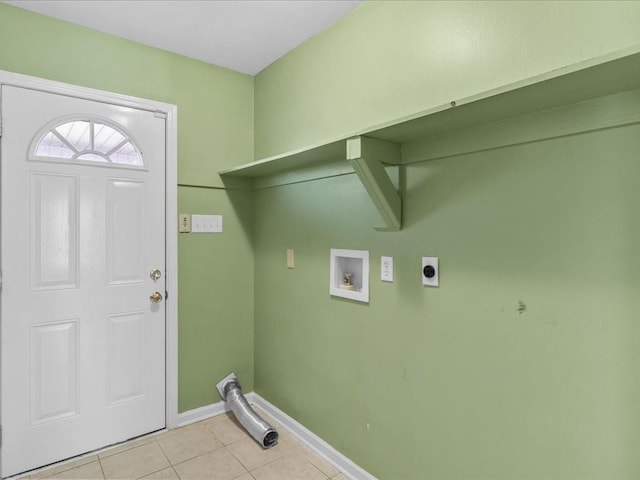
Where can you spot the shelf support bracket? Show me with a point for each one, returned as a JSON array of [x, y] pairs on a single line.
[[368, 156]]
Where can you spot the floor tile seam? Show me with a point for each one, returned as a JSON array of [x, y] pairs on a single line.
[[129, 450], [166, 457], [246, 467], [269, 463], [164, 453], [146, 444], [198, 455], [142, 440], [175, 472], [104, 475], [193, 458], [222, 445], [245, 473], [320, 471], [43, 470], [208, 427], [116, 450], [313, 455], [159, 470], [236, 441], [237, 459]]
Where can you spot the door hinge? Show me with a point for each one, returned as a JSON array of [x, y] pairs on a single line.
[[166, 294]]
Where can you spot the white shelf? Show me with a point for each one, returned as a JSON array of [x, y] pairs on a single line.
[[591, 79], [370, 151]]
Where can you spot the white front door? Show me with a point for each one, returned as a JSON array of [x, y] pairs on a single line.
[[83, 229]]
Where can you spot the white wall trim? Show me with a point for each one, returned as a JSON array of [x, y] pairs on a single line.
[[306, 436], [202, 413], [171, 112], [171, 265]]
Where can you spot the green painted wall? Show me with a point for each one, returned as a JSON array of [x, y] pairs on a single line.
[[551, 392], [388, 59], [523, 364], [215, 278], [215, 125]]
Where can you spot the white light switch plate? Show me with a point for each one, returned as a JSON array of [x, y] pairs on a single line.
[[386, 269], [206, 223], [185, 223]]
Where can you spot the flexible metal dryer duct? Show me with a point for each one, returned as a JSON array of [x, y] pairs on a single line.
[[231, 392]]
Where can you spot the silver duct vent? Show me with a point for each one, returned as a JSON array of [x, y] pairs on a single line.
[[231, 392]]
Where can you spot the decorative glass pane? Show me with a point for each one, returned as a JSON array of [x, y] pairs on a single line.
[[78, 134], [89, 141], [126, 155], [52, 146], [92, 157], [106, 138]]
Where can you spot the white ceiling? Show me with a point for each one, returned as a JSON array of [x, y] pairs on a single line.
[[243, 35]]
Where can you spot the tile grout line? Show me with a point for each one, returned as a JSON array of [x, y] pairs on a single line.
[[104, 475], [305, 459], [175, 471], [237, 459], [196, 456], [288, 450], [245, 473], [165, 456], [201, 454]]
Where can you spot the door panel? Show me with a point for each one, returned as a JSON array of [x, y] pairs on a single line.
[[83, 347], [125, 230], [126, 346], [53, 214], [54, 371]]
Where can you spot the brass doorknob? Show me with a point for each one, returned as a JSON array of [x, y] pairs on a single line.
[[155, 297]]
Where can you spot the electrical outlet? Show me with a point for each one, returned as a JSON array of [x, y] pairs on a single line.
[[386, 269], [430, 272], [291, 259]]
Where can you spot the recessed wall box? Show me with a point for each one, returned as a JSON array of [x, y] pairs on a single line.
[[349, 274]]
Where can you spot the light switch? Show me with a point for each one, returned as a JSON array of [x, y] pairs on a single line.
[[386, 269], [206, 223], [291, 262], [184, 223]]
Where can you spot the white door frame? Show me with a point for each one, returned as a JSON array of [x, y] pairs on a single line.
[[171, 207]]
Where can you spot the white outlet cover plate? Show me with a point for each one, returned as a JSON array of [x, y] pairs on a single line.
[[386, 269], [435, 280], [206, 223]]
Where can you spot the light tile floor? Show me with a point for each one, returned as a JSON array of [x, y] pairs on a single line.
[[217, 449]]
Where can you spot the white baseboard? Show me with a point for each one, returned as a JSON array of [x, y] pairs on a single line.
[[306, 436], [202, 413]]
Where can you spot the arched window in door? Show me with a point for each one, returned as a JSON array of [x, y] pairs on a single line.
[[86, 140]]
